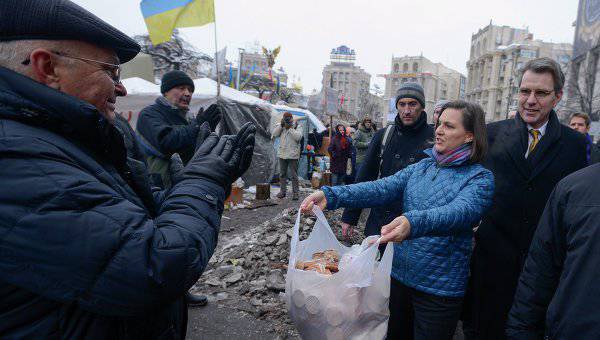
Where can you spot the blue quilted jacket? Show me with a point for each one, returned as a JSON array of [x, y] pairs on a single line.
[[442, 204]]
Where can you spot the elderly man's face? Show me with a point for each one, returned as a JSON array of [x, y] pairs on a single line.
[[180, 96], [90, 81]]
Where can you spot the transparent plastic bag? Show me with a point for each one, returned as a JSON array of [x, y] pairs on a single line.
[[350, 304]]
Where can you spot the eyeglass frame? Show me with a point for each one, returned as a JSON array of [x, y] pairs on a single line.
[[115, 72], [537, 94]]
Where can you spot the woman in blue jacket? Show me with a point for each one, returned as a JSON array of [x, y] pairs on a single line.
[[444, 197]]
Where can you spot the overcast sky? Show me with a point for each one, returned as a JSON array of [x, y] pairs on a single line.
[[307, 30]]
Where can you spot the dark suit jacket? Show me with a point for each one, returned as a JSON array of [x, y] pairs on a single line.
[[522, 189]]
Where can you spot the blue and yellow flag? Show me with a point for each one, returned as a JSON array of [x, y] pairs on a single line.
[[163, 16]]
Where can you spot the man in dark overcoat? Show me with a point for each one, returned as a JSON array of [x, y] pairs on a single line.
[[528, 156], [88, 250]]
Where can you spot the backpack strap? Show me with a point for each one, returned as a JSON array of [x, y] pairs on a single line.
[[384, 142]]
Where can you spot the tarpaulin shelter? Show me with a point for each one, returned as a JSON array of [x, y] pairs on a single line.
[[240, 108]]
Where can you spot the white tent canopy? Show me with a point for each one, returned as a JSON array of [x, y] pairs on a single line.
[[137, 85], [141, 93], [311, 116]]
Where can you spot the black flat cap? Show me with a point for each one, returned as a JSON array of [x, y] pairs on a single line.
[[61, 20]]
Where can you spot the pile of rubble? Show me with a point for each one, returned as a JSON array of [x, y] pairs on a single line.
[[248, 271]]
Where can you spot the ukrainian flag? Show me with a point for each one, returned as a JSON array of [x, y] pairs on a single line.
[[163, 16]]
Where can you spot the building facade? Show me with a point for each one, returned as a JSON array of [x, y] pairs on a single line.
[[583, 79], [438, 81], [351, 81], [497, 54]]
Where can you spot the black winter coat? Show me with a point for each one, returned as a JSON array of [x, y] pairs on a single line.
[[82, 256], [559, 290], [522, 189], [405, 147], [164, 130]]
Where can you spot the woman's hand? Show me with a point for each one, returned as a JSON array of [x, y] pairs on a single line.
[[318, 198], [397, 231]]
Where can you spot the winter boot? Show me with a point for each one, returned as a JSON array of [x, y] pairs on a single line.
[[283, 188]]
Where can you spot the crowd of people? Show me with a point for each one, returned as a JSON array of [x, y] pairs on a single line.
[[493, 224], [104, 228]]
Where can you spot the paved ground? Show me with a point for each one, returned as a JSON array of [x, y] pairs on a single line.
[[218, 320]]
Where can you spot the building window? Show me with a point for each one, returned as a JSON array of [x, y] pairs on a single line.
[[528, 54], [396, 68], [405, 67], [415, 67]]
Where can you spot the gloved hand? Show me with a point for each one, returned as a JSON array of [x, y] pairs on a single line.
[[245, 141], [224, 159], [176, 164], [212, 115]]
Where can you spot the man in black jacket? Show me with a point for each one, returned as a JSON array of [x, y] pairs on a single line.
[[164, 129], [559, 290], [406, 140], [528, 156], [88, 250]]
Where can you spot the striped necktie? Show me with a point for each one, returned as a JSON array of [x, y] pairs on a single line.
[[536, 138]]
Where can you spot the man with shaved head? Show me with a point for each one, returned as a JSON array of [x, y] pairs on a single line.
[[88, 249]]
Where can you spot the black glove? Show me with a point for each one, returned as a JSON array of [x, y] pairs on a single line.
[[212, 115], [245, 142], [176, 164], [220, 159]]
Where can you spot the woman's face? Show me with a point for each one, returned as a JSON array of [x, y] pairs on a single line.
[[450, 132], [341, 129]]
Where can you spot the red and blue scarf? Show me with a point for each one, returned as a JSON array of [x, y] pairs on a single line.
[[454, 157]]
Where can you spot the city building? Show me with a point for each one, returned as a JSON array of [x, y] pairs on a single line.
[[582, 93], [438, 81], [351, 81], [256, 63], [497, 54]]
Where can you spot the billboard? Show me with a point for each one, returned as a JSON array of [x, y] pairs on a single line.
[[587, 33]]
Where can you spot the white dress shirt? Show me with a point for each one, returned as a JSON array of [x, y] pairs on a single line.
[[541, 129]]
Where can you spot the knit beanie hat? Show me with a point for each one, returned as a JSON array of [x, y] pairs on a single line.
[[411, 90], [175, 78]]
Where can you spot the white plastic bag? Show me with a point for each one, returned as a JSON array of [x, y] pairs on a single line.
[[350, 304]]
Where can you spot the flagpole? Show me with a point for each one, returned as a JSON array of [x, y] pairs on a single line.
[[217, 53]]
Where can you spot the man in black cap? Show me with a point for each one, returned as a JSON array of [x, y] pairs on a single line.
[[88, 250], [391, 150], [164, 130]]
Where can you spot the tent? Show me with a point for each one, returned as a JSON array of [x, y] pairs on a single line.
[[240, 107]]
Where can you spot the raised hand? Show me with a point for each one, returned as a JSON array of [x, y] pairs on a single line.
[[212, 116]]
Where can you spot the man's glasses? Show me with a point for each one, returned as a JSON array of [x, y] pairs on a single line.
[[538, 94], [113, 70]]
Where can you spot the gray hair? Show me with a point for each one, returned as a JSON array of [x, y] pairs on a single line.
[[13, 53], [545, 65]]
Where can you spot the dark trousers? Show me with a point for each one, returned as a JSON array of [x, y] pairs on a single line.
[[418, 315], [288, 167]]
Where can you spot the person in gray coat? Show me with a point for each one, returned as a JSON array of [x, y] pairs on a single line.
[[362, 139]]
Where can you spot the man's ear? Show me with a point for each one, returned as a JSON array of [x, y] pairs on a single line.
[[559, 95], [43, 68]]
